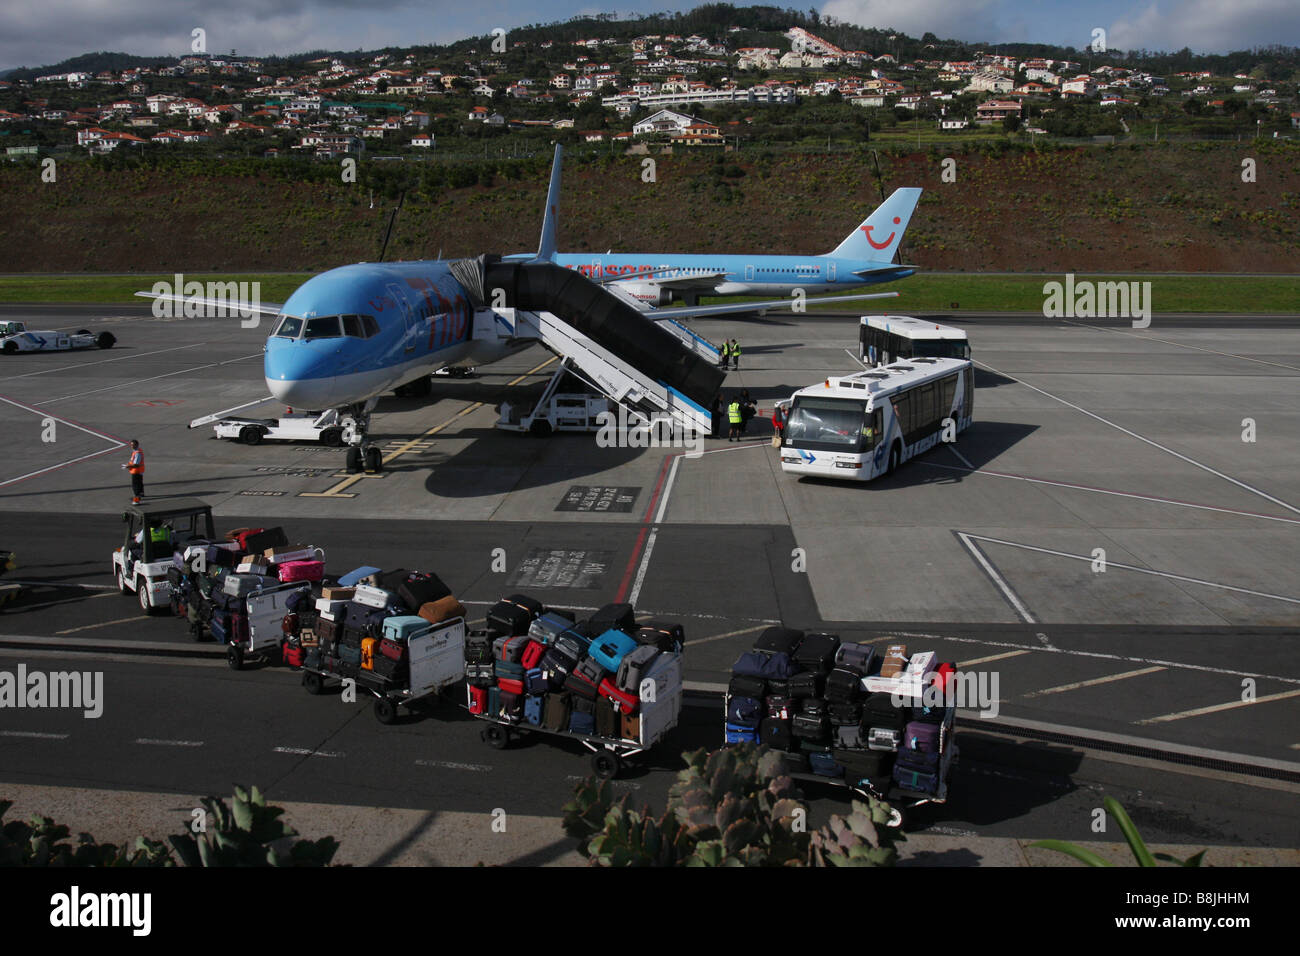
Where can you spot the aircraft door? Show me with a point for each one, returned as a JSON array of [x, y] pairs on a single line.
[[595, 269], [830, 272], [408, 317], [749, 273]]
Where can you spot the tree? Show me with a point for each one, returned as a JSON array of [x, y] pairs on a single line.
[[1011, 122]]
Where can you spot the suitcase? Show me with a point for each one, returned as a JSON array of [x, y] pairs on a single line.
[[883, 738], [813, 707], [779, 706], [636, 663], [481, 675], [289, 571], [350, 655], [532, 654], [311, 659], [855, 657], [930, 715], [402, 627], [391, 649], [878, 710], [509, 648], [218, 557], [259, 540], [795, 762], [368, 653], [535, 681], [219, 625], [362, 575], [817, 652], [556, 665], [779, 640], [766, 666], [825, 765], [531, 605], [610, 648], [744, 710], [443, 609], [663, 635], [606, 718], [555, 713], [350, 637], [373, 597], [844, 685], [630, 726], [744, 686], [895, 660], [508, 618], [806, 685], [253, 567], [337, 594], [478, 699], [582, 682], [329, 609], [775, 733], [582, 723], [920, 737], [862, 765], [399, 671], [493, 702], [241, 585], [844, 715], [615, 617], [478, 647], [548, 627], [533, 710], [510, 686], [421, 587], [740, 734], [916, 779], [573, 646], [849, 736], [624, 701], [512, 705], [808, 726], [508, 670], [293, 552]]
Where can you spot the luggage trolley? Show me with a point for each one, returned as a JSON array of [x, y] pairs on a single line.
[[266, 609], [436, 662]]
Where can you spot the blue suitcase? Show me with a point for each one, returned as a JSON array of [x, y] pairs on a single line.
[[745, 711], [920, 781], [355, 577], [533, 710], [825, 765], [218, 626], [548, 627], [740, 734], [494, 703], [610, 648], [535, 681], [509, 670], [581, 723], [401, 628]]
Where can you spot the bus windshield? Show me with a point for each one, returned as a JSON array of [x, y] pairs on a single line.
[[838, 424], [941, 348]]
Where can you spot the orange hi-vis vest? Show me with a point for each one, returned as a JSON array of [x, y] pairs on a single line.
[[136, 465]]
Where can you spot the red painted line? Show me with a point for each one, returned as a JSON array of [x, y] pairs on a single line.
[[635, 557], [659, 486]]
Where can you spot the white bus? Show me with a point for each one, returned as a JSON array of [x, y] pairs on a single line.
[[887, 338], [866, 424]]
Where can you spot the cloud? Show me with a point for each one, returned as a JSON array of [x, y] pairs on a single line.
[[970, 20], [1207, 26]]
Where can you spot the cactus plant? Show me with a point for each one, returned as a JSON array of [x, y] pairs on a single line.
[[1141, 855]]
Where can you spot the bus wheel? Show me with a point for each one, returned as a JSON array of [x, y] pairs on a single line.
[[895, 453]]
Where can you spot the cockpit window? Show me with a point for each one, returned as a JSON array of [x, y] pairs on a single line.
[[372, 326], [352, 326], [326, 327], [289, 328]]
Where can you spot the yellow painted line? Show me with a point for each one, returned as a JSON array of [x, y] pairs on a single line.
[[718, 637], [1092, 683], [1218, 707], [985, 660], [91, 627]]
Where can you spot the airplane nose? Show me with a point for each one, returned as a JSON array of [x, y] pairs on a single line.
[[297, 377]]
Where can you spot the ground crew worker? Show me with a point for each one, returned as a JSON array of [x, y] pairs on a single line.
[[135, 466], [734, 417], [724, 354], [735, 355]]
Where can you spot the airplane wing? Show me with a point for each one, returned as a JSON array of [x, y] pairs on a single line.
[[230, 305], [885, 273], [730, 307], [698, 282]]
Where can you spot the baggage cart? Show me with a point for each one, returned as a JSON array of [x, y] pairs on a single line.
[[658, 712], [266, 610], [436, 662]]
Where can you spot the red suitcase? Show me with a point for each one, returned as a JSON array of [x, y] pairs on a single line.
[[532, 655], [392, 650], [477, 699], [626, 701], [292, 655], [291, 571], [509, 686]]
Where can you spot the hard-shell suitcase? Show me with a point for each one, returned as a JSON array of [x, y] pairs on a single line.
[[581, 722], [630, 726], [478, 699], [825, 765], [373, 597], [619, 617], [740, 734], [848, 736], [572, 646], [744, 710], [775, 733], [633, 665], [510, 648], [481, 675], [883, 738], [241, 585], [625, 701], [806, 685], [555, 713], [666, 636], [582, 683], [535, 681], [548, 627], [855, 657], [844, 685], [610, 648], [366, 574], [478, 647], [443, 609], [779, 640], [532, 654], [809, 726], [533, 710], [300, 571], [418, 588], [531, 605], [817, 652], [510, 686], [556, 665], [368, 653], [390, 649], [402, 627], [508, 618], [842, 714], [745, 686], [606, 718], [508, 669]]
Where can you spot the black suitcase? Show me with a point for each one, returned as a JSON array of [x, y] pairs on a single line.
[[270, 538], [606, 718], [864, 764], [810, 726], [743, 686], [478, 647], [529, 604], [662, 634], [509, 619], [805, 685], [855, 657], [614, 617], [419, 588], [779, 640], [813, 707], [843, 684], [557, 665], [878, 710], [795, 762], [396, 671], [817, 652], [846, 715], [778, 688], [775, 733], [351, 637]]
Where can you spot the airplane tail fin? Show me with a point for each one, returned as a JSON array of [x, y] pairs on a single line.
[[546, 248], [881, 232]]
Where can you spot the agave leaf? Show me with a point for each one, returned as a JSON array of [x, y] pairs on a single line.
[[1135, 842], [1079, 853]]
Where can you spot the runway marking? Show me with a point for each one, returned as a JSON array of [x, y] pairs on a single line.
[[150, 741], [615, 784], [122, 358], [964, 460], [719, 637], [68, 584], [997, 579], [646, 532], [116, 442], [1215, 708], [1129, 567], [857, 358], [452, 765], [153, 378], [37, 607], [91, 627], [1108, 491], [337, 491], [304, 752], [1153, 444], [1062, 688], [1185, 345], [986, 660], [32, 734]]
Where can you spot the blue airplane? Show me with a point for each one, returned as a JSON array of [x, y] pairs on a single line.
[[350, 334]]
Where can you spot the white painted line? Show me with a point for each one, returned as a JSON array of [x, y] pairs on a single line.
[[91, 627], [856, 358], [1183, 345], [151, 741], [1214, 709], [719, 637], [62, 464], [668, 490], [1130, 567], [1062, 688], [154, 378], [304, 752], [37, 607], [623, 784], [1153, 444], [62, 421], [1005, 588], [635, 593], [123, 358], [1108, 491], [964, 460], [68, 584], [452, 765], [34, 735], [990, 659]]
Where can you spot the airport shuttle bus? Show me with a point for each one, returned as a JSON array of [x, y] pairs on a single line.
[[888, 338], [866, 424]]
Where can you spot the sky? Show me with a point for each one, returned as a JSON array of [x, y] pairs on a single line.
[[41, 33]]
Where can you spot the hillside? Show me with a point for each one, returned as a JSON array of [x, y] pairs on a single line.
[[1156, 208]]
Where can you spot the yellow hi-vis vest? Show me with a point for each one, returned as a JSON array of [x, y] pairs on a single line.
[[733, 413]]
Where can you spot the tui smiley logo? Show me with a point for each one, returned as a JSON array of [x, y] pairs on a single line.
[[866, 231]]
